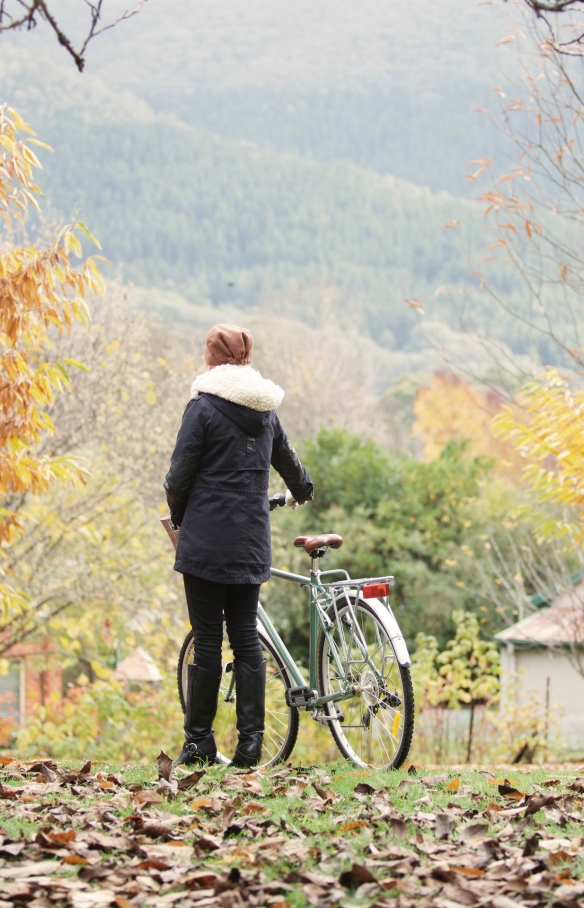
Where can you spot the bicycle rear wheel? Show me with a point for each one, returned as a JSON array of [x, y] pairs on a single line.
[[375, 726], [281, 724]]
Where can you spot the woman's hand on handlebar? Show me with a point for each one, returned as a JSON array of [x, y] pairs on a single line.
[[293, 503], [280, 501]]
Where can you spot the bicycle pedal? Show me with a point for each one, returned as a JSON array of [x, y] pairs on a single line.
[[299, 697], [320, 716]]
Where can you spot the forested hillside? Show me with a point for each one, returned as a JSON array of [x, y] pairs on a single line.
[[225, 222], [260, 167], [390, 86]]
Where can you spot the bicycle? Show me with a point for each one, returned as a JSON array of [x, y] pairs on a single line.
[[359, 668]]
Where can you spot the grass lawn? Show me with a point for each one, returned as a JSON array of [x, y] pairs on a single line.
[[290, 836]]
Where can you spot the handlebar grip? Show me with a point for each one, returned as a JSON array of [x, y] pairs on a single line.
[[277, 501]]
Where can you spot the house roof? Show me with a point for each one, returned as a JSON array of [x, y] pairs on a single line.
[[138, 666], [548, 597], [560, 624]]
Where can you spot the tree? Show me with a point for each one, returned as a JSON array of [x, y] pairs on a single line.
[[551, 443], [421, 522], [319, 370], [93, 559], [534, 210], [465, 674], [452, 408], [471, 669], [41, 295], [27, 14], [546, 11]]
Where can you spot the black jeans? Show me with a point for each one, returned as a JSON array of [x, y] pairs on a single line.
[[207, 603]]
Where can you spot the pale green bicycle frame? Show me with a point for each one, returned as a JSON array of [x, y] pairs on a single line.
[[322, 597]]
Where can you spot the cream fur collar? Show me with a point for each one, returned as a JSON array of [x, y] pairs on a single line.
[[241, 385]]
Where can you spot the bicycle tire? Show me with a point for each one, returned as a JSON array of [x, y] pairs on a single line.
[[282, 722], [355, 723]]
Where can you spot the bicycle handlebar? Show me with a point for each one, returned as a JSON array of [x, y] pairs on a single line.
[[277, 501]]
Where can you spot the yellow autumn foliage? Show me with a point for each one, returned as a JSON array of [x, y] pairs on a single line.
[[451, 408], [551, 445]]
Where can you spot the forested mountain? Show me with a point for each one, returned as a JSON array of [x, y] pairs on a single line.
[[252, 156], [388, 85], [226, 222], [391, 86]]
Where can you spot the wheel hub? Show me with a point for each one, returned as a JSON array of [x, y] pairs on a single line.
[[369, 688]]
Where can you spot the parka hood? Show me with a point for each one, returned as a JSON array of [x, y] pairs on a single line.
[[252, 422], [240, 385]]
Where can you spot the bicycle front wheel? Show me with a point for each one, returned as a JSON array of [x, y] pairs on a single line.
[[373, 727], [281, 723]]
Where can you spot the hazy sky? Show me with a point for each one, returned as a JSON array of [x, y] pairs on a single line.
[[259, 42]]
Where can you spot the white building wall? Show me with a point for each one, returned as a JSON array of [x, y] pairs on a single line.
[[532, 668]]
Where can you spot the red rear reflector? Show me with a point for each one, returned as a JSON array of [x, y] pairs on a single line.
[[375, 590]]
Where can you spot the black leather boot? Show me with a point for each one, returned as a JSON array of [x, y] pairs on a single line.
[[202, 696], [250, 705]]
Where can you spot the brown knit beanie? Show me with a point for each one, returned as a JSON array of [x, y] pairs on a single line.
[[228, 344]]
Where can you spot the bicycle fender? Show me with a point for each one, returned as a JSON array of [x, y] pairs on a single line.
[[387, 618]]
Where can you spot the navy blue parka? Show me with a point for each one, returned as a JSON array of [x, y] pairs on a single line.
[[217, 488]]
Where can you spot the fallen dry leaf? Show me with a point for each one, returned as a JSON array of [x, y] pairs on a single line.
[[62, 838], [352, 826], [122, 902], [473, 832], [363, 788], [469, 871], [445, 823], [204, 804], [433, 781], [191, 780], [356, 876], [148, 796], [537, 803], [164, 766], [399, 827], [512, 793]]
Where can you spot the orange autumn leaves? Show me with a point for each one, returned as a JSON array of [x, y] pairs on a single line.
[[450, 408], [40, 293]]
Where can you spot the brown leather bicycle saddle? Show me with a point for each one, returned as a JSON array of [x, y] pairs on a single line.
[[311, 543]]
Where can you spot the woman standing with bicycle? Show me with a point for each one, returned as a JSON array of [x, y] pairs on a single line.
[[217, 492]]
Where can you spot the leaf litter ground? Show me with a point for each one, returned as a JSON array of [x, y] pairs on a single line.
[[103, 835]]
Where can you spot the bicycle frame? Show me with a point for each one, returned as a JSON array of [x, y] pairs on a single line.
[[322, 596]]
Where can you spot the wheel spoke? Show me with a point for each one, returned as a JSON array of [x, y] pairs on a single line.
[[370, 733]]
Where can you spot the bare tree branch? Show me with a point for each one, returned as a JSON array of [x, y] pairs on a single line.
[[26, 14], [549, 12]]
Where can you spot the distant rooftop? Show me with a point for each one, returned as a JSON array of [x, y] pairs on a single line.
[[572, 586], [560, 624], [139, 666]]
